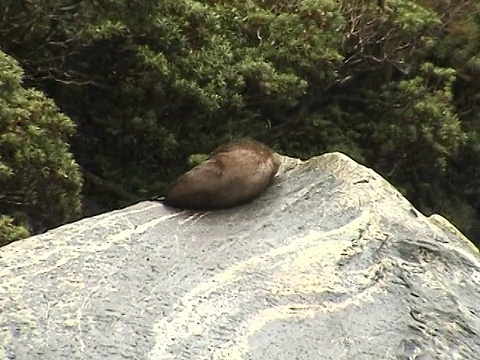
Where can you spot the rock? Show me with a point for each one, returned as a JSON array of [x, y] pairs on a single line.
[[331, 262]]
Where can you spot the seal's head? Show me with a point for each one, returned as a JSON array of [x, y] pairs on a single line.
[[234, 174]]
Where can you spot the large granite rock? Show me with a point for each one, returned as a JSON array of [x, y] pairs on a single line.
[[331, 263]]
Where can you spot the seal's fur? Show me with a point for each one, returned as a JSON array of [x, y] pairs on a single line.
[[234, 174]]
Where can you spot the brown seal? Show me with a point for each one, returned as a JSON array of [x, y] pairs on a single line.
[[234, 174]]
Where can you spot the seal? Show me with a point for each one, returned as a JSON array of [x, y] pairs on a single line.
[[234, 174]]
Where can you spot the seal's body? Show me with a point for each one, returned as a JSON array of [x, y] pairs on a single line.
[[234, 174]]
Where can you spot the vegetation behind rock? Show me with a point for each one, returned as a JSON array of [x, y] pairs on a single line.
[[40, 182], [392, 83]]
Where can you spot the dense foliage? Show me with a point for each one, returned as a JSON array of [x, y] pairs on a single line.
[[391, 83], [39, 180]]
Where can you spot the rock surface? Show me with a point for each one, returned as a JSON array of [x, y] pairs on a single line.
[[330, 263]]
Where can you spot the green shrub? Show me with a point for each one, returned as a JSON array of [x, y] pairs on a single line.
[[39, 179]]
